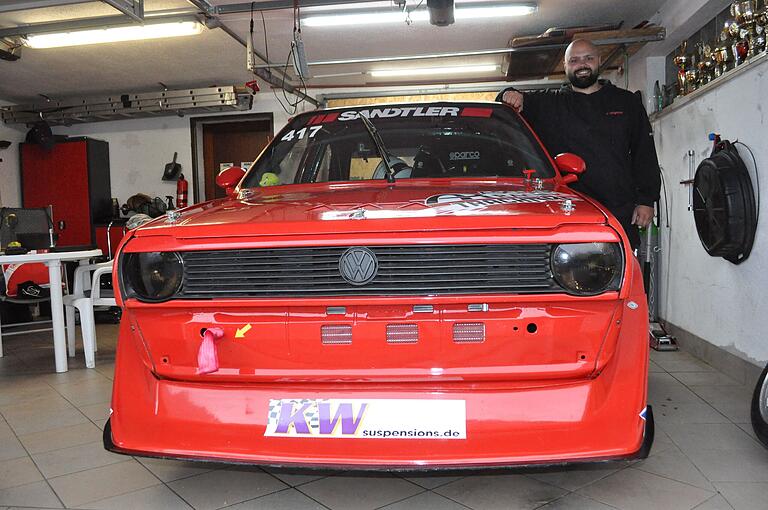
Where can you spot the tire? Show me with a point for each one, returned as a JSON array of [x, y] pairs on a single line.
[[760, 408]]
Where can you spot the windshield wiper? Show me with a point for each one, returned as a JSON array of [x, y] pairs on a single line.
[[380, 147]]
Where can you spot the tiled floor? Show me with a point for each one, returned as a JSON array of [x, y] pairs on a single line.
[[51, 456]]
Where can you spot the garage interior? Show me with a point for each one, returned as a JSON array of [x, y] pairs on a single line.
[[177, 108]]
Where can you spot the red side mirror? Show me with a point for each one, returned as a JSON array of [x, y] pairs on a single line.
[[571, 165], [228, 179]]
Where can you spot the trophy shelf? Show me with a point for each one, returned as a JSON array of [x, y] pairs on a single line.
[[680, 101]]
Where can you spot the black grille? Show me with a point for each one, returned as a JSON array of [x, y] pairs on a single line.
[[403, 270]]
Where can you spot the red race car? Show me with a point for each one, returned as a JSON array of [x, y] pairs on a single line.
[[398, 286]]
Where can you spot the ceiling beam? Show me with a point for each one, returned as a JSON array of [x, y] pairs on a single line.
[[266, 74], [281, 79], [131, 8], [495, 51], [25, 5]]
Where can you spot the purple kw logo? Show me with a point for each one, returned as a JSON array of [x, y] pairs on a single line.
[[319, 416]]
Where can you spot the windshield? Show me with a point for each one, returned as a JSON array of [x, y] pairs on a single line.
[[423, 141]]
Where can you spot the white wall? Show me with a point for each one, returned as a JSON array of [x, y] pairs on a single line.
[[10, 187], [140, 148], [715, 300]]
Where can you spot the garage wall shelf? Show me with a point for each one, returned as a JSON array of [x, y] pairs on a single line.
[[680, 101], [122, 106]]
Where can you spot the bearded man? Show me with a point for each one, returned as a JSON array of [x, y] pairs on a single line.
[[606, 126]]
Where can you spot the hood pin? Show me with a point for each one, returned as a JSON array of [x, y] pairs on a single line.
[[567, 206], [173, 216]]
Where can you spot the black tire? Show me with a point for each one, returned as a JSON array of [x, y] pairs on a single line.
[[760, 408]]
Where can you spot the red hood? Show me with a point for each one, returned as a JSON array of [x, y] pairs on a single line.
[[406, 206]]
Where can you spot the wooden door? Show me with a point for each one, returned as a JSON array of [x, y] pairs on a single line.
[[231, 142]]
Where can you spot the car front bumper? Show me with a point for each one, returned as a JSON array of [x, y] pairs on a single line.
[[508, 423]]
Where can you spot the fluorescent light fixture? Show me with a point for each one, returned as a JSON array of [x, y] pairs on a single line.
[[114, 34], [391, 16], [428, 71]]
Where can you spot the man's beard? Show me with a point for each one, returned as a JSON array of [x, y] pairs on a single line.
[[582, 82]]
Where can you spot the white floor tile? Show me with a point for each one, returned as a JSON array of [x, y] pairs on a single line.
[[496, 492], [225, 487], [359, 492], [744, 496], [633, 489]]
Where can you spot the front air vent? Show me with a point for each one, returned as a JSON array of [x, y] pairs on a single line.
[[402, 270]]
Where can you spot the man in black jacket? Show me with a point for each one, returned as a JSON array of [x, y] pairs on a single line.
[[606, 126]]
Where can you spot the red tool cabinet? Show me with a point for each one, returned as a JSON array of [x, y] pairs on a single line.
[[73, 177]]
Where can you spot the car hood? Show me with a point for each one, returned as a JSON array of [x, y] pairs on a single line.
[[405, 206]]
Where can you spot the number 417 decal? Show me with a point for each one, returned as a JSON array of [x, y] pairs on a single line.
[[293, 133]]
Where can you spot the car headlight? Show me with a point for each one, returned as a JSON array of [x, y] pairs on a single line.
[[152, 276], [587, 269]]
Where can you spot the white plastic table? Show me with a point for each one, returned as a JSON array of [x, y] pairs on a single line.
[[53, 260]]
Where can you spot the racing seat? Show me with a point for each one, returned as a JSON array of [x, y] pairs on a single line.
[[399, 167], [427, 164]]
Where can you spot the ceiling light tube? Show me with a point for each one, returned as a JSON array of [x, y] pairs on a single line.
[[114, 34], [428, 71], [461, 12]]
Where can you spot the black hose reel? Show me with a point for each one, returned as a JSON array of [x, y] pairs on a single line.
[[724, 204]]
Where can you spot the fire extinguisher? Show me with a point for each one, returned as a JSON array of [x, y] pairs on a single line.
[[181, 191]]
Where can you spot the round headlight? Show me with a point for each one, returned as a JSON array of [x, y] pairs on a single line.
[[152, 276], [588, 268]]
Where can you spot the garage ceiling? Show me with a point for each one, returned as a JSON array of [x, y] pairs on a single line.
[[214, 58]]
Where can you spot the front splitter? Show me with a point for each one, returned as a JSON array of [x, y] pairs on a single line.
[[641, 453]]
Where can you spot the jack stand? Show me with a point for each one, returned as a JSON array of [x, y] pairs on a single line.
[[659, 339]]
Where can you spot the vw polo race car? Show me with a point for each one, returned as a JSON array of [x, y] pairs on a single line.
[[398, 286]]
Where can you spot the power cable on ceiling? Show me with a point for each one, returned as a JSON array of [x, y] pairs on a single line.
[[292, 107]]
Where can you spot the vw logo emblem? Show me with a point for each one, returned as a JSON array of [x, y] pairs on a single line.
[[358, 265]]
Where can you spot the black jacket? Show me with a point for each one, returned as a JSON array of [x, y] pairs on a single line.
[[609, 129]]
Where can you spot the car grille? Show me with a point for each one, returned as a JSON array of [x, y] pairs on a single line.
[[402, 270]]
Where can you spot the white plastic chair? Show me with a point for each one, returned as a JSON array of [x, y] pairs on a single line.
[[85, 295]]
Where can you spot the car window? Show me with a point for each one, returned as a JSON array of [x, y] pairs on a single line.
[[429, 141]]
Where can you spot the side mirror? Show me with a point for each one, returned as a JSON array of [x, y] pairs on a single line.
[[571, 166], [228, 179]]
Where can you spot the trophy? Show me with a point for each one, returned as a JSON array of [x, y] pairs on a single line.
[[722, 57], [683, 63], [722, 54], [741, 51], [761, 20], [706, 64], [745, 15]]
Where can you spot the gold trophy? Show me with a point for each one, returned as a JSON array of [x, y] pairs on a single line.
[[722, 54], [683, 63], [722, 58]]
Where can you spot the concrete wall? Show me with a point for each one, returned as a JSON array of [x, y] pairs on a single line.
[[10, 188], [709, 297]]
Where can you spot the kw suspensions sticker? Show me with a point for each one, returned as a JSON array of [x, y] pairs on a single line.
[[367, 418]]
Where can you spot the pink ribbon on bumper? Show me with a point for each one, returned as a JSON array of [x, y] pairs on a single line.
[[207, 356]]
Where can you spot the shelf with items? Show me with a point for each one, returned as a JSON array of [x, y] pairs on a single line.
[[680, 101]]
